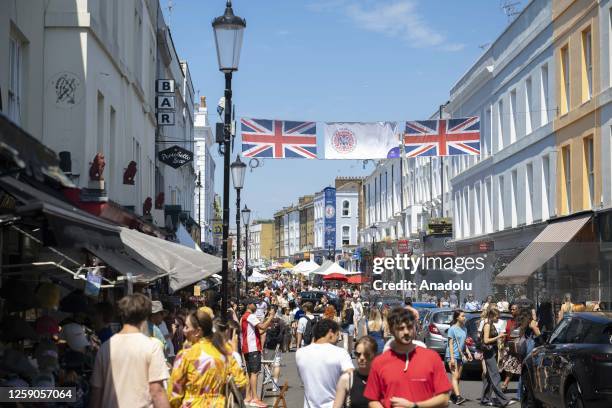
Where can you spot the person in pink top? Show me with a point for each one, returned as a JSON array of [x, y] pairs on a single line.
[[252, 328]]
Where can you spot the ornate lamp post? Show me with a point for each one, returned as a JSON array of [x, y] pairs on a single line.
[[238, 171], [246, 219], [228, 30]]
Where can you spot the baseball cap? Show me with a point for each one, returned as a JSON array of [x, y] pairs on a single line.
[[157, 306], [74, 335]]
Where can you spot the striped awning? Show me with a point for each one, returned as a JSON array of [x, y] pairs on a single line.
[[546, 245]]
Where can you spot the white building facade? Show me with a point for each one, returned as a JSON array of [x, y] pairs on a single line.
[[205, 171], [80, 76]]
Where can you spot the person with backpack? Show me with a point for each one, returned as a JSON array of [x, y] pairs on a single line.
[[305, 325], [528, 331], [457, 353]]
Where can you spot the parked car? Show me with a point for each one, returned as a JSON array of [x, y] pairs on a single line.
[[472, 324], [386, 301], [574, 367], [433, 328], [315, 296]]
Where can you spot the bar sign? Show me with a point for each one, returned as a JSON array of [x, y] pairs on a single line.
[[164, 86], [165, 118]]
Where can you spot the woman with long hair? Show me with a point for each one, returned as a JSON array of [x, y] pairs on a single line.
[[528, 331], [375, 328], [566, 307], [510, 364], [491, 380], [347, 325], [457, 353], [200, 373], [350, 387], [329, 313]]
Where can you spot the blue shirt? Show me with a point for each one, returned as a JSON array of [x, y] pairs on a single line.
[[458, 334], [472, 306]]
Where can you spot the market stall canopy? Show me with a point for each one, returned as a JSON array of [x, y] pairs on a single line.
[[257, 276], [546, 245], [184, 238], [184, 266], [336, 276], [331, 267], [123, 263], [287, 265], [305, 267], [357, 279]]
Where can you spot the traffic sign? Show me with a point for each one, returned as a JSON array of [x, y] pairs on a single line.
[[240, 263]]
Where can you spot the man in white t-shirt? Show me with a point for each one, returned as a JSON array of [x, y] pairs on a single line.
[[252, 329], [321, 364], [303, 325], [130, 368]]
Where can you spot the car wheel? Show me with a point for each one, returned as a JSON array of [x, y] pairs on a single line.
[[573, 397], [528, 399]]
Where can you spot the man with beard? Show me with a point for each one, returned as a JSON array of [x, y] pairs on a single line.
[[406, 375]]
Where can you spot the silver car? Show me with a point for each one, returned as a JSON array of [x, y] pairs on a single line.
[[434, 328]]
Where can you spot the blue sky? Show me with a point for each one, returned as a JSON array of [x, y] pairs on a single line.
[[334, 60]]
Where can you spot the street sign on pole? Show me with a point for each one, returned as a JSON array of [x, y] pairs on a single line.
[[240, 263]]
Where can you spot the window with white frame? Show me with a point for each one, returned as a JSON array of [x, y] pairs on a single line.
[[529, 187], [487, 207], [487, 133], [513, 117], [514, 194], [501, 224], [15, 74], [500, 125], [587, 64], [528, 105], [477, 210], [589, 161], [544, 106], [346, 208], [545, 187], [346, 235]]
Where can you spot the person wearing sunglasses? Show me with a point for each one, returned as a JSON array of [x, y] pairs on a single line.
[[349, 391]]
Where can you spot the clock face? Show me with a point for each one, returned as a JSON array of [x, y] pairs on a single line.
[[330, 211]]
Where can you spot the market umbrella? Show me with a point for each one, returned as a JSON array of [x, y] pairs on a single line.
[[357, 279], [257, 276], [287, 265], [336, 276]]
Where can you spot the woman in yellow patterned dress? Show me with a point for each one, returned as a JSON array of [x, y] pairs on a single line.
[[200, 373]]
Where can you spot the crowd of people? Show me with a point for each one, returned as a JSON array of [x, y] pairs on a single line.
[[348, 352]]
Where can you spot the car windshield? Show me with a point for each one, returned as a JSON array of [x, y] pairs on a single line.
[[443, 317]]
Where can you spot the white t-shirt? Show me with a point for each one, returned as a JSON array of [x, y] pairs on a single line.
[[320, 366], [253, 341], [357, 310], [125, 365], [262, 309], [303, 322]]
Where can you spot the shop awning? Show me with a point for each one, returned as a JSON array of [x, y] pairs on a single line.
[[184, 266], [120, 261], [546, 245]]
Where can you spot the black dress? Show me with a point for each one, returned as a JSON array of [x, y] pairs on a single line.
[[356, 392]]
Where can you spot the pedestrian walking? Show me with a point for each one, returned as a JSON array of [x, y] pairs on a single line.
[[528, 333], [510, 364], [406, 375], [350, 388], [252, 329], [491, 380], [457, 353], [566, 307], [375, 327], [201, 373], [305, 326], [321, 364], [347, 325], [130, 367]]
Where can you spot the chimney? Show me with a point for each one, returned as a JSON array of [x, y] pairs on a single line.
[[202, 102]]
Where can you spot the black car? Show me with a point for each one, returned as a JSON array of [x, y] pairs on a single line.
[[574, 367], [314, 296]]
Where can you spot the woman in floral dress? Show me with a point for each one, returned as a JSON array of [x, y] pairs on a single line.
[[200, 373]]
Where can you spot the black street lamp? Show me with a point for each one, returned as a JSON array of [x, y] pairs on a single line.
[[229, 30], [238, 171], [246, 219], [373, 230]]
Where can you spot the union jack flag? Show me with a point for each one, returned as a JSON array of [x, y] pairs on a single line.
[[443, 137], [278, 139]]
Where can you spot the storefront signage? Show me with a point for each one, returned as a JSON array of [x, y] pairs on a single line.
[[403, 247], [175, 156], [165, 102], [330, 217]]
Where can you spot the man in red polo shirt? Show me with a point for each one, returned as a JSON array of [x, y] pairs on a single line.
[[252, 328], [407, 375]]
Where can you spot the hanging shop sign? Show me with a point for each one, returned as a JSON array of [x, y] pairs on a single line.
[[175, 156], [330, 218], [165, 102]]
